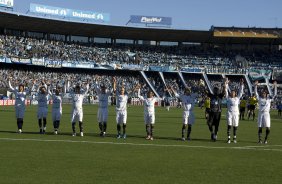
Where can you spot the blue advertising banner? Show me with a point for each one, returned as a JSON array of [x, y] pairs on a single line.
[[7, 3], [69, 13], [192, 70], [17, 60], [159, 68], [139, 19]]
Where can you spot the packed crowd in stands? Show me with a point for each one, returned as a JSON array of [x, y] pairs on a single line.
[[69, 80], [66, 80], [212, 60]]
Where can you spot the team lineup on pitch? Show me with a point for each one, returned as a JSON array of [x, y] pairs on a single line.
[[140, 92], [188, 99]]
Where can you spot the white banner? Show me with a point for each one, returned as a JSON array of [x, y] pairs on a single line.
[[7, 3]]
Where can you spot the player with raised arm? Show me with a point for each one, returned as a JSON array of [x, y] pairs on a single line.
[[121, 109], [264, 102], [77, 111], [42, 98], [215, 111], [102, 115], [20, 95], [188, 102], [56, 108], [149, 112], [232, 114]]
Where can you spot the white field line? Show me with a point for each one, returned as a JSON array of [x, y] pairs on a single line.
[[262, 147], [256, 119]]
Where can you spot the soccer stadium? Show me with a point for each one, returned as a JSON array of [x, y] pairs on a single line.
[[84, 101]]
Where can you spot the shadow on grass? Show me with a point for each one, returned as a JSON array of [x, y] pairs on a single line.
[[107, 135], [97, 135]]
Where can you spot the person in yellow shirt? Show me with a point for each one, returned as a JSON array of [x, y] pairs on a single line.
[[252, 106], [243, 104], [207, 105]]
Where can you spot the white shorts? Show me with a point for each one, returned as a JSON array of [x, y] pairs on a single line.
[[188, 117], [102, 115], [42, 112], [121, 117], [56, 114], [264, 119], [232, 119], [77, 115], [20, 110], [149, 118]]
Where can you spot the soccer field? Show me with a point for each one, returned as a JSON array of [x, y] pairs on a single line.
[[33, 158]]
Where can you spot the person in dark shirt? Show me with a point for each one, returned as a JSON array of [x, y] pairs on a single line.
[[215, 111]]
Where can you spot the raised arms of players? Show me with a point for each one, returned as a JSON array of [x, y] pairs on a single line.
[[240, 91], [26, 89], [274, 89], [256, 90], [241, 88], [86, 88], [226, 87], [11, 87], [139, 95]]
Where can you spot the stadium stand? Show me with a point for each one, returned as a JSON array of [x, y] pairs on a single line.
[[234, 52]]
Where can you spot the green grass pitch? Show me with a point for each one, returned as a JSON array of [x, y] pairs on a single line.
[[34, 158]]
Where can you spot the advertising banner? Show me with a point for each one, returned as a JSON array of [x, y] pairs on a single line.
[[88, 65], [7, 3], [68, 65], [140, 19], [7, 102], [69, 13], [25, 61], [192, 70], [132, 67], [37, 61], [8, 60], [53, 64], [160, 68], [11, 102], [20, 60]]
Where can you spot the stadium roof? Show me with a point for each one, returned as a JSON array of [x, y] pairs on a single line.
[[27, 22]]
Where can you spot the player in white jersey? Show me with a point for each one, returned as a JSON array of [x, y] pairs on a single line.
[[20, 95], [121, 109], [102, 115], [42, 111], [56, 109], [264, 102], [77, 110], [232, 114], [149, 112], [188, 102]]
